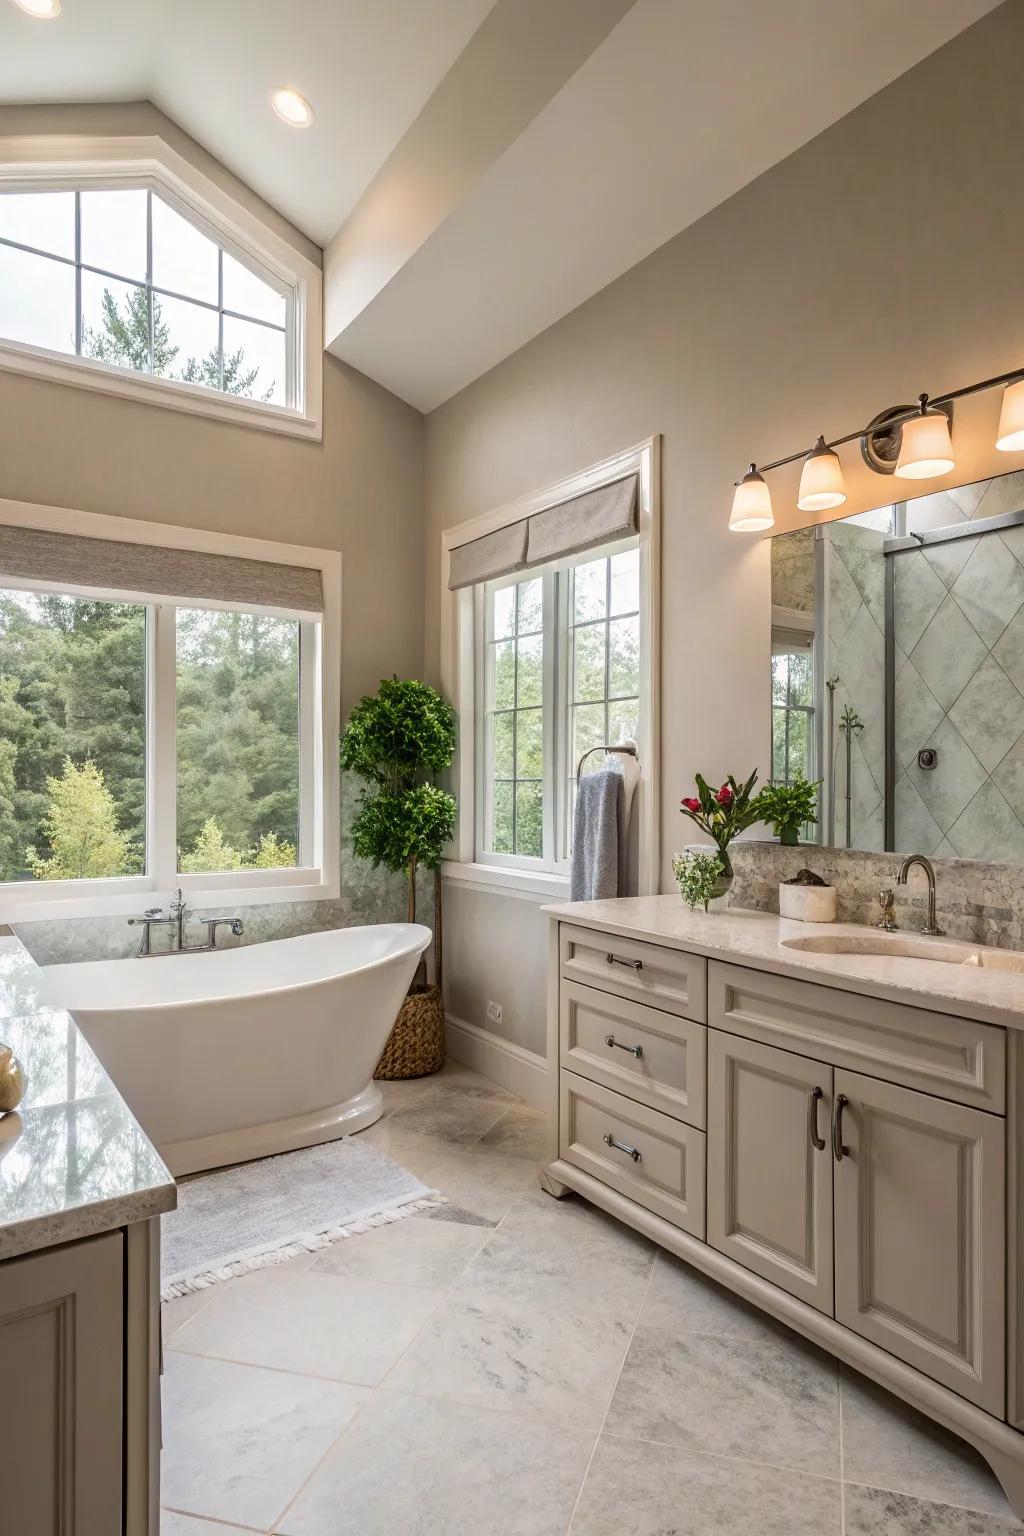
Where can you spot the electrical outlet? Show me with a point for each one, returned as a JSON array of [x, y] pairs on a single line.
[[493, 1012]]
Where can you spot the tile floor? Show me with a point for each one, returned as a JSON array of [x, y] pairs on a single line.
[[515, 1366]]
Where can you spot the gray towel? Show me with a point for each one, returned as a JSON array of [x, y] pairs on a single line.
[[600, 808]]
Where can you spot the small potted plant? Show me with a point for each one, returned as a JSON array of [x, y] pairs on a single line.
[[722, 814], [788, 807], [697, 875]]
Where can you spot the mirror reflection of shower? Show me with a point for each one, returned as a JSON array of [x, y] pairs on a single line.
[[897, 655]]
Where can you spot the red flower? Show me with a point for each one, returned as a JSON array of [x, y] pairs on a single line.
[[724, 796], [691, 805]]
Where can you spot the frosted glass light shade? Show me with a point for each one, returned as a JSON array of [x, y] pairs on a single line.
[[926, 449], [1011, 419], [751, 505], [821, 480]]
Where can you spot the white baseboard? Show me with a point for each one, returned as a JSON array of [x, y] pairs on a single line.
[[511, 1066]]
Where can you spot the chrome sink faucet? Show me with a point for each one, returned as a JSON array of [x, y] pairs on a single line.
[[931, 927], [177, 917]]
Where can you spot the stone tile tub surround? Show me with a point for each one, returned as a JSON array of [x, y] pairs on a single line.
[[978, 902], [718, 1418]]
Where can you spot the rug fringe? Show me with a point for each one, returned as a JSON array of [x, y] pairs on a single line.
[[297, 1246]]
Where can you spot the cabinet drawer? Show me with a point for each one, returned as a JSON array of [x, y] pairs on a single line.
[[644, 973], [666, 1174], [936, 1053], [649, 1055]]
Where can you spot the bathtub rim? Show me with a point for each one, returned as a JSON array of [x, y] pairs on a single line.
[[120, 1006]]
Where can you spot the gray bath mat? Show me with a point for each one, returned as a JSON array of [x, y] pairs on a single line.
[[267, 1212]]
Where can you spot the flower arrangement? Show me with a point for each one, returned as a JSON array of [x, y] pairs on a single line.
[[697, 875], [723, 813], [788, 807]]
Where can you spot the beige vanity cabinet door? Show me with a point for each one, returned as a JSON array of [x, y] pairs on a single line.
[[61, 1331], [919, 1235], [769, 1198]]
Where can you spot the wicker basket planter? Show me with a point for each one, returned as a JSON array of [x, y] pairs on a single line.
[[416, 1044]]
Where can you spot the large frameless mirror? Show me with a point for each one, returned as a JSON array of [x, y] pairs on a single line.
[[897, 673]]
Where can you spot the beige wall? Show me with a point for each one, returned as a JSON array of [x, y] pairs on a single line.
[[881, 259]]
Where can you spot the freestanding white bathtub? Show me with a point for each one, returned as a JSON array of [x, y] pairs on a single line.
[[240, 1053]]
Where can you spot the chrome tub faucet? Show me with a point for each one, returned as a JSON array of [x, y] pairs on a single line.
[[177, 918], [931, 927]]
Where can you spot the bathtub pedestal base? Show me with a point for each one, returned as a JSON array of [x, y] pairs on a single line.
[[248, 1142]]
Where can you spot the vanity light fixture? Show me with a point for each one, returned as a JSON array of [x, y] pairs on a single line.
[[41, 10], [1011, 419], [911, 441], [926, 448], [751, 504], [821, 480], [292, 107]]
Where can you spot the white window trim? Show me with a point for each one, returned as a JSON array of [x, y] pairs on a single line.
[[52, 164], [458, 679], [319, 708]]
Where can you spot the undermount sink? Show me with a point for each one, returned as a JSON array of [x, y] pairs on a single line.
[[899, 946]]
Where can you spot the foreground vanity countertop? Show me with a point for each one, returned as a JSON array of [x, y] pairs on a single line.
[[73, 1159], [759, 940]]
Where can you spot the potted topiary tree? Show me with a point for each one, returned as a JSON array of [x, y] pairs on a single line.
[[397, 740]]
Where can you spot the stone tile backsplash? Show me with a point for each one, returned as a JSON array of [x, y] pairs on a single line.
[[976, 901]]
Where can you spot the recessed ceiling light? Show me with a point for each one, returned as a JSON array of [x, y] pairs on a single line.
[[42, 10], [290, 107]]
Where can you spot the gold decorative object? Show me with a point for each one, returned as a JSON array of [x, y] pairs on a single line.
[[12, 1080], [416, 1044]]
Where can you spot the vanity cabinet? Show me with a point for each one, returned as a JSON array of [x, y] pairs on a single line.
[[840, 1159], [770, 1164]]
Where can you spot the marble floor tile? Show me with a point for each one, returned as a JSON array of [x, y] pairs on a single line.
[[409, 1467], [754, 1399], [240, 1442], [572, 1222], [520, 1359], [457, 1118], [175, 1314], [485, 1184], [680, 1301], [173, 1524], [877, 1512], [655, 1490], [453, 1079], [336, 1326], [521, 1132], [410, 1252], [537, 1267], [887, 1444]]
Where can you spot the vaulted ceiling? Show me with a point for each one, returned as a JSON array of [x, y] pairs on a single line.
[[478, 168]]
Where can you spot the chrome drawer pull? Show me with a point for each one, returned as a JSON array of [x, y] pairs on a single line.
[[633, 965], [634, 1050], [620, 1146]]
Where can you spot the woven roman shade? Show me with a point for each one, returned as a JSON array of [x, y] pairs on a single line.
[[150, 571], [595, 517]]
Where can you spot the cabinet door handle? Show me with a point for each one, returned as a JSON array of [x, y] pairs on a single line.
[[813, 1099], [634, 1050], [620, 1146], [839, 1151], [632, 965]]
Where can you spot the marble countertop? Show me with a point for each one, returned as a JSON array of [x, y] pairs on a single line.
[[757, 940], [73, 1159]]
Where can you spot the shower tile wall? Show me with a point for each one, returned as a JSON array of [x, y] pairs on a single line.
[[855, 585], [960, 680]]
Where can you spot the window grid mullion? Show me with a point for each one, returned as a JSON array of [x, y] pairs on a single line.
[[220, 317], [78, 274], [150, 306]]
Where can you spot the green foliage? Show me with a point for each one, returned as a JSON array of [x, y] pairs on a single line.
[[123, 340], [788, 807], [399, 736], [213, 852], [723, 813], [397, 830], [697, 875], [81, 828]]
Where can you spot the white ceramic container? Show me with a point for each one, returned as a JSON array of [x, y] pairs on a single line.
[[808, 903]]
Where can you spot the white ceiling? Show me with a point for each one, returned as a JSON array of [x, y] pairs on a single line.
[[368, 67], [683, 103]]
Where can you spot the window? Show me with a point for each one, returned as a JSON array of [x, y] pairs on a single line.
[[149, 743], [560, 665], [136, 275], [121, 277], [792, 708]]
